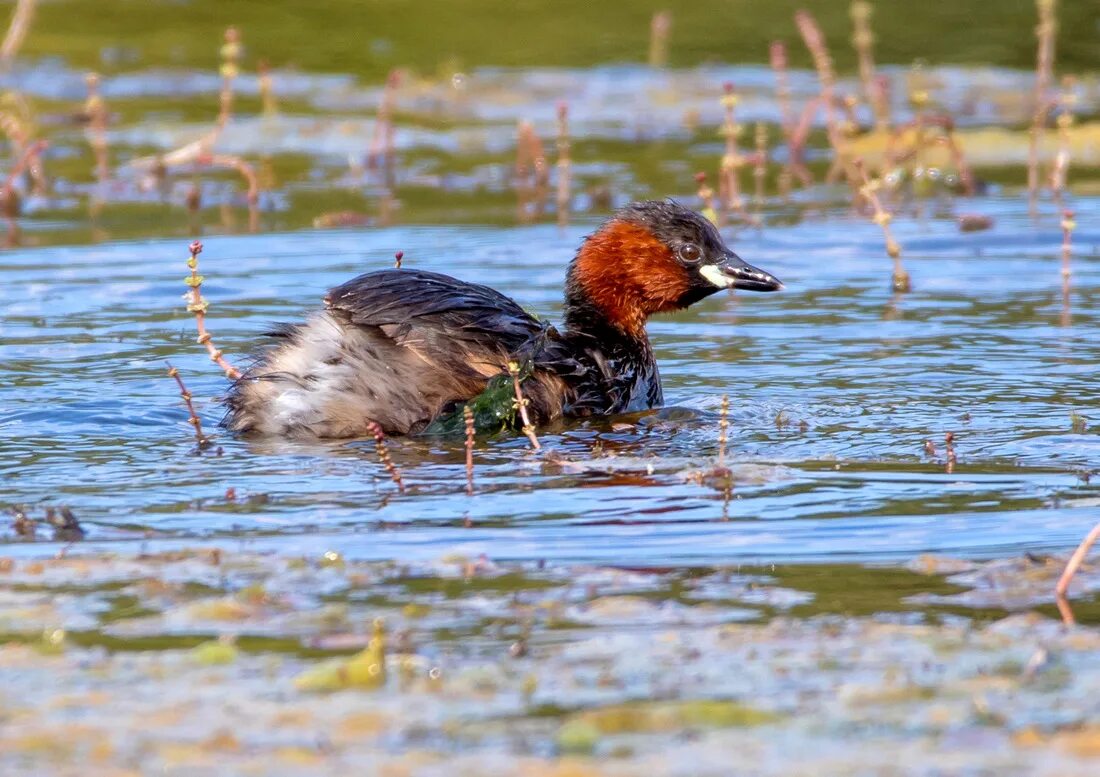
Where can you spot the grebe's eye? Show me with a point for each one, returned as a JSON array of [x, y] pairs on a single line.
[[689, 253]]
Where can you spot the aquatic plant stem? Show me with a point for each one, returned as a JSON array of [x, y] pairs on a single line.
[[230, 69], [198, 306], [95, 110], [1072, 566], [706, 198], [384, 455], [564, 165], [267, 90], [20, 24], [659, 28], [193, 417], [531, 172], [1044, 72], [823, 63], [30, 153], [468, 418], [760, 169], [863, 41], [729, 183], [869, 191], [521, 405], [1059, 172], [380, 153], [1068, 225]]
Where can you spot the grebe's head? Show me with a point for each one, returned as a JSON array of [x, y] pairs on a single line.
[[653, 257]]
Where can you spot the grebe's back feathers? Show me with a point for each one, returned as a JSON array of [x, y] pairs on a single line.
[[394, 346], [412, 306]]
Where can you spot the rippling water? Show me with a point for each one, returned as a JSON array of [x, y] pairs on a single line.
[[834, 385]]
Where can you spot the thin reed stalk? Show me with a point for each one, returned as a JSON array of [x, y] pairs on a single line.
[[198, 306], [384, 455], [869, 191], [521, 406], [192, 417], [1044, 73]]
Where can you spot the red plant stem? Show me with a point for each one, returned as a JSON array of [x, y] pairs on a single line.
[[193, 417], [1072, 566], [30, 153], [1060, 170], [565, 165], [380, 153], [1044, 70], [20, 23], [823, 63], [778, 58], [384, 455], [468, 417]]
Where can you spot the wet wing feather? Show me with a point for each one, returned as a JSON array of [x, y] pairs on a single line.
[[443, 319]]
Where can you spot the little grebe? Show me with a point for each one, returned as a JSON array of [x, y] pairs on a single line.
[[402, 347]]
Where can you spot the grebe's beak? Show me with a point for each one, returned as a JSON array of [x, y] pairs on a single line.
[[733, 272]]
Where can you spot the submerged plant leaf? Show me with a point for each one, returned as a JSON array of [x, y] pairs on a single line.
[[494, 408]]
